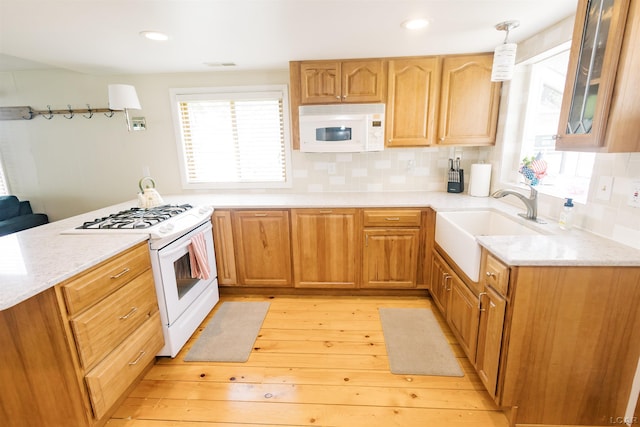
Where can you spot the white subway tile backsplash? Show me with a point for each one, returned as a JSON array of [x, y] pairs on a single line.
[[382, 164], [358, 172], [337, 180], [375, 188], [397, 179]]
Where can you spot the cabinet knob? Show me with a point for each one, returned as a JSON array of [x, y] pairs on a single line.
[[337, 96], [489, 274], [442, 139]]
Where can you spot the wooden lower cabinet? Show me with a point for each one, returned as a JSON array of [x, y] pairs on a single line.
[[390, 258], [553, 345], [440, 286], [224, 247], [458, 304], [492, 311], [325, 246], [342, 248], [263, 251], [71, 353], [462, 315]]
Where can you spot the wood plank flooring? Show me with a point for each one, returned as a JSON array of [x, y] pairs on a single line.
[[318, 361]]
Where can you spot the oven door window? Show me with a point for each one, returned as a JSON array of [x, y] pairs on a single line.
[[182, 271]]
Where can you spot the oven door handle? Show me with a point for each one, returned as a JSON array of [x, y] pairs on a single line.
[[179, 249]]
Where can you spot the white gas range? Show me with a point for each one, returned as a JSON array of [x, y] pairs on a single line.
[[184, 300]]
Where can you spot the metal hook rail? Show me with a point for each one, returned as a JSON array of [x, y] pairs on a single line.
[[28, 113]]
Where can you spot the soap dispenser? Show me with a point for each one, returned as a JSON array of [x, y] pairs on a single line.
[[566, 216]]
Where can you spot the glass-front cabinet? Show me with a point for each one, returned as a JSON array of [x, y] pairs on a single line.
[[595, 50]]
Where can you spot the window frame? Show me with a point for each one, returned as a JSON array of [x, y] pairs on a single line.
[[219, 92], [512, 161]]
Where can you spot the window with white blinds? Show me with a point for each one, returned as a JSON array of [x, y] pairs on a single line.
[[233, 137]]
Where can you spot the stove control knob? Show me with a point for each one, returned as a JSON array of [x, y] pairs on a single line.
[[165, 228]]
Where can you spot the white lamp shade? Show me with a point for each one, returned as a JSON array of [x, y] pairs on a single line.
[[504, 62], [123, 97]]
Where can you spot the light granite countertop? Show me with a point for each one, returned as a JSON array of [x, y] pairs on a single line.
[[34, 260]]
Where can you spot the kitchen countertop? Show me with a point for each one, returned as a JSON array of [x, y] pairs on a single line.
[[36, 259]]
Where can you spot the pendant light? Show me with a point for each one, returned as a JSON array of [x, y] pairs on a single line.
[[504, 56]]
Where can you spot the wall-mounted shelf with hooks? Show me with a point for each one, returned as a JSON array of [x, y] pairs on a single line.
[[28, 113]]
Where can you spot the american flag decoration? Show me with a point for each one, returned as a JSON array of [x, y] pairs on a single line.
[[533, 169]]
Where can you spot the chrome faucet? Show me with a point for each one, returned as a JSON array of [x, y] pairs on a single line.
[[530, 202]]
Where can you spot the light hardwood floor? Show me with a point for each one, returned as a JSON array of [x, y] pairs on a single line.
[[318, 361]]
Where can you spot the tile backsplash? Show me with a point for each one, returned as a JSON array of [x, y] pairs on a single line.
[[397, 169]]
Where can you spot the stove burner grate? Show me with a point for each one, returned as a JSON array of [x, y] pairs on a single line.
[[136, 218]]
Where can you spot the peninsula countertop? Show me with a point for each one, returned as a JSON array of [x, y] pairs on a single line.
[[37, 259]]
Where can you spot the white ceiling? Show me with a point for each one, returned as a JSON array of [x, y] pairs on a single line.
[[102, 36]]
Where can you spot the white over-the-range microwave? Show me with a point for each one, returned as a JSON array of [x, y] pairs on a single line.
[[342, 128]]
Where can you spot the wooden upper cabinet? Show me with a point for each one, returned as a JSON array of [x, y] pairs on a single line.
[[600, 108], [469, 100], [330, 82], [412, 100]]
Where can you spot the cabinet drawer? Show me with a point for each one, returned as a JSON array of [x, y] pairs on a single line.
[[105, 325], [497, 275], [392, 217], [108, 381], [90, 287]]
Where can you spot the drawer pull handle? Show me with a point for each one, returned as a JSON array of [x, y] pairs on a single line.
[[325, 211], [129, 314], [122, 273], [392, 218], [260, 214], [135, 362]]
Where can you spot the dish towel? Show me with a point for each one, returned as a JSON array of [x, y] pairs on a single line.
[[198, 257]]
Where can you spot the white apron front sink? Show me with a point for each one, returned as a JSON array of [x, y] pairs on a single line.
[[456, 233]]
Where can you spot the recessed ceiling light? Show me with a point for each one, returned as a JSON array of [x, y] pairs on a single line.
[[415, 24], [154, 35]]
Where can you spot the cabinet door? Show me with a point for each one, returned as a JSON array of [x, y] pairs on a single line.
[[463, 316], [325, 248], [440, 285], [390, 258], [263, 247], [363, 81], [320, 82], [595, 50], [492, 312], [224, 247], [469, 101], [412, 101]]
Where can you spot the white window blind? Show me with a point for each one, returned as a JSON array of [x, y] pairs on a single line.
[[233, 138]]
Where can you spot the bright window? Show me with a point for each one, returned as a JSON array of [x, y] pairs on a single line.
[[568, 173], [235, 137], [4, 187]]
